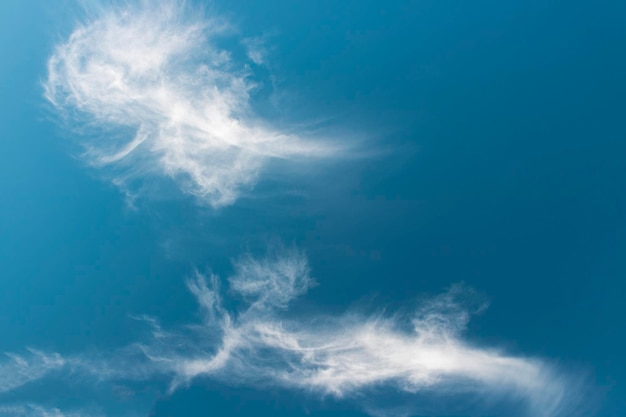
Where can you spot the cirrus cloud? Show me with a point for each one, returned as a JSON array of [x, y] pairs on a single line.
[[257, 342], [167, 102], [423, 352]]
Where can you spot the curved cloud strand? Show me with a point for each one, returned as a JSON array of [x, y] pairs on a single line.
[[346, 355], [170, 101], [253, 339], [33, 410], [18, 370]]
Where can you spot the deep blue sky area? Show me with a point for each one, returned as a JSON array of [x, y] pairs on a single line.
[[496, 142]]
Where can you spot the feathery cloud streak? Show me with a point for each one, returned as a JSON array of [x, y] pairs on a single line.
[[156, 71], [346, 355], [32, 410], [17, 370], [342, 356]]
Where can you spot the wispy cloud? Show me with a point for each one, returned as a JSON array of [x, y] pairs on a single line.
[[34, 410], [167, 101], [423, 352], [17, 370], [260, 342], [13, 410], [255, 49]]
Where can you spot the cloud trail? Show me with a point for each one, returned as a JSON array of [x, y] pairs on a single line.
[[350, 354], [344, 356], [32, 410], [18, 370], [168, 102]]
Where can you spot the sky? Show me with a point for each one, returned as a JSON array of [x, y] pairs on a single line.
[[330, 208]]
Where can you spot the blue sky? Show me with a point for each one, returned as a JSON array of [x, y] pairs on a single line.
[[325, 208]]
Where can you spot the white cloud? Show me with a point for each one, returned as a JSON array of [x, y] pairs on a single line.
[[271, 282], [18, 370], [33, 410], [155, 70], [348, 354], [12, 410], [255, 49], [260, 343]]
